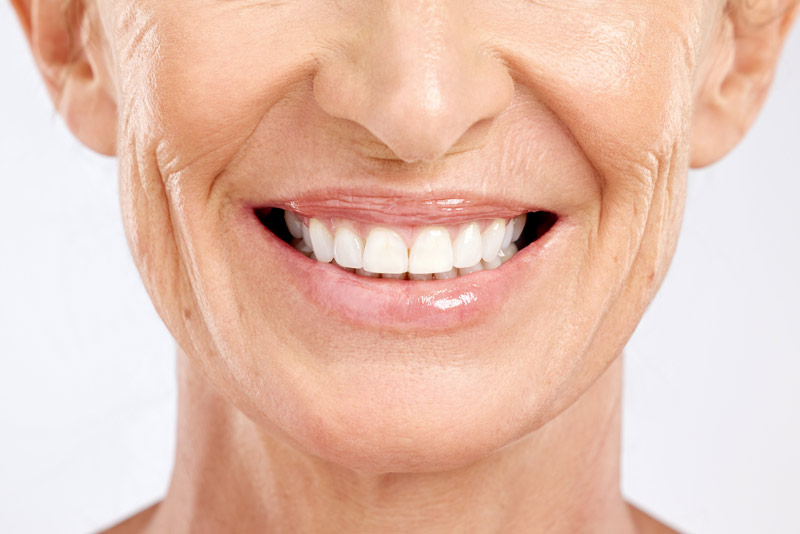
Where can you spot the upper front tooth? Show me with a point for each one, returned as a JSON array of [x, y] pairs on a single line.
[[321, 241], [467, 248], [493, 238], [348, 248], [293, 223], [432, 252], [385, 252]]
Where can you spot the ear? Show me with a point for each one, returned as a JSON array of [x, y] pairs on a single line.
[[737, 74], [69, 55]]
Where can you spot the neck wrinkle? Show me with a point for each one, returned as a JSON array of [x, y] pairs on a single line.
[[232, 476]]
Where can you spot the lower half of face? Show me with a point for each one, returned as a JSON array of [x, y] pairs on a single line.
[[389, 269]]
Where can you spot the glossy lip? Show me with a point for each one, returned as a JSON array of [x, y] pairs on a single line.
[[402, 305]]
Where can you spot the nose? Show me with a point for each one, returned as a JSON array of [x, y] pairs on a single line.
[[415, 77]]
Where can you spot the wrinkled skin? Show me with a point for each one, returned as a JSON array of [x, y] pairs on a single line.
[[594, 110], [221, 99]]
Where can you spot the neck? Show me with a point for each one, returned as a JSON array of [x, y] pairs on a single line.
[[231, 476]]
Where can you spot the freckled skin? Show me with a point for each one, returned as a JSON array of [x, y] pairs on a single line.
[[591, 109]]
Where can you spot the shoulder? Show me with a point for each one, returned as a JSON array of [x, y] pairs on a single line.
[[647, 524], [135, 524]]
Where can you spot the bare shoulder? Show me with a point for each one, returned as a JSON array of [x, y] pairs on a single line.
[[647, 524], [135, 524]]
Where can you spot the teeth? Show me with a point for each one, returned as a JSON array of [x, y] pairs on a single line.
[[493, 238], [385, 252], [432, 252], [433, 255], [467, 270], [519, 224], [468, 246], [505, 254], [507, 236], [348, 248], [494, 264], [321, 241], [302, 246], [452, 273], [294, 224]]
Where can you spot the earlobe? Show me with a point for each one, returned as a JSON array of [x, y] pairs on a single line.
[[70, 60], [737, 75]]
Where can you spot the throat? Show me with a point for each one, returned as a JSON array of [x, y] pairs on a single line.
[[563, 477]]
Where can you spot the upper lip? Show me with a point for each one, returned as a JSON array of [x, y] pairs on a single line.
[[401, 207]]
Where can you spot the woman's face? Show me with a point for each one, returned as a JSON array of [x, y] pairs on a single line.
[[406, 114]]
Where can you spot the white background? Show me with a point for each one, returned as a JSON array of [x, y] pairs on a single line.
[[711, 435]]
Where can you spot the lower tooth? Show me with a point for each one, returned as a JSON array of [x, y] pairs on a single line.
[[362, 272], [399, 276], [452, 273], [494, 264], [302, 247], [507, 253], [467, 270], [420, 276]]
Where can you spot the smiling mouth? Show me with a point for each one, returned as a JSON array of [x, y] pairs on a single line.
[[422, 252]]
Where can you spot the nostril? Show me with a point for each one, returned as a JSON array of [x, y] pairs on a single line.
[[422, 93]]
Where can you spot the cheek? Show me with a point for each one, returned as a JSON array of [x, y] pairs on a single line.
[[622, 84], [219, 69], [621, 81], [196, 92]]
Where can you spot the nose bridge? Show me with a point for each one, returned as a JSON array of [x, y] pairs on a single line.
[[419, 83]]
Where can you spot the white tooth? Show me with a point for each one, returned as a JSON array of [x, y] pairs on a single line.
[[306, 235], [466, 270], [398, 276], [362, 272], [385, 252], [348, 248], [420, 276], [452, 273], [494, 264], [493, 238], [293, 223], [508, 235], [321, 241], [519, 224], [506, 254], [468, 247], [432, 252], [302, 246]]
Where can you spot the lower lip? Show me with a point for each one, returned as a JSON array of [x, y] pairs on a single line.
[[402, 305]]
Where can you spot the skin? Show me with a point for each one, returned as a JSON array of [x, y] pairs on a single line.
[[292, 421]]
